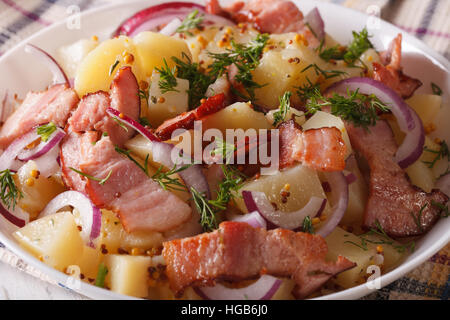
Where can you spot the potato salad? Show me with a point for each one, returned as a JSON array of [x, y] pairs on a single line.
[[209, 152]]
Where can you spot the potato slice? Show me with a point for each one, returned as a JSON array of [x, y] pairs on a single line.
[[303, 184], [89, 262], [427, 107], [70, 56], [54, 239], [348, 245], [128, 274], [153, 48], [94, 72]]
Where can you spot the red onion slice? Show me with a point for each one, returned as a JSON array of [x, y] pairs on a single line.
[[44, 147], [315, 22], [263, 289], [8, 157], [443, 184], [338, 199], [254, 219], [257, 201], [350, 177], [407, 119], [171, 27], [17, 216], [48, 164], [153, 18], [59, 76], [90, 215], [193, 176]]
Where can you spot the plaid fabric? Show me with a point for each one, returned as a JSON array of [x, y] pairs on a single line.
[[426, 19]]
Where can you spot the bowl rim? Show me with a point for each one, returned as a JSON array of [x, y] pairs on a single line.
[[359, 291]]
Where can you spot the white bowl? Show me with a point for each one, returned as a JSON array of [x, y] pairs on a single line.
[[20, 73]]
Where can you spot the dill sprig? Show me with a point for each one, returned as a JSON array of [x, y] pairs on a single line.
[[224, 149], [100, 181], [436, 89], [208, 219], [360, 109], [227, 189], [143, 94], [167, 81], [307, 225], [285, 105], [144, 121], [46, 130], [440, 154], [127, 153], [9, 194], [417, 218], [113, 66], [245, 57], [166, 181], [333, 53], [101, 275], [384, 239], [443, 209], [190, 22], [327, 74], [358, 46], [198, 81]]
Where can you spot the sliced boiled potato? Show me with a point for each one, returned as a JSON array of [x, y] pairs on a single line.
[[94, 72], [427, 107], [153, 48], [367, 59], [239, 115], [199, 41], [113, 236], [89, 261], [349, 245], [54, 239], [302, 182], [164, 106], [128, 274], [324, 119], [299, 116], [421, 176], [70, 56], [358, 194], [37, 190]]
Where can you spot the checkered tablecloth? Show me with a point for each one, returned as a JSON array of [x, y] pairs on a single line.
[[428, 20]]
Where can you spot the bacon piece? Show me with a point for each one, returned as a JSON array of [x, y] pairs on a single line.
[[321, 149], [391, 74], [140, 202], [186, 119], [393, 200], [54, 104], [91, 112], [237, 251]]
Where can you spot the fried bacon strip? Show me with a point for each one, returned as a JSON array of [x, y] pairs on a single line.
[[322, 149], [237, 251]]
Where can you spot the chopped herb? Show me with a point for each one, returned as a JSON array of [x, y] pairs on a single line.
[[384, 239], [308, 91], [417, 218], [198, 81], [143, 94], [357, 108], [245, 57], [334, 53], [10, 194], [358, 46], [128, 155], [167, 182], [46, 130], [111, 70], [307, 225], [105, 134], [167, 81], [224, 149], [228, 187], [440, 154], [208, 219], [436, 89], [120, 123], [144, 121], [100, 181], [101, 275], [190, 22], [443, 208], [285, 105], [327, 74], [311, 29]]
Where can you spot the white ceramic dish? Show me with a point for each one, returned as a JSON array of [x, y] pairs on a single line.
[[20, 73]]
